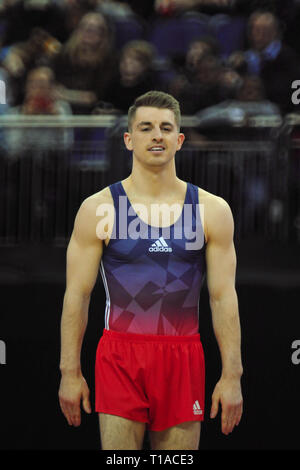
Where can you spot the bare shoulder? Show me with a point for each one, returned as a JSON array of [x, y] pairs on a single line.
[[217, 215], [101, 197], [87, 216]]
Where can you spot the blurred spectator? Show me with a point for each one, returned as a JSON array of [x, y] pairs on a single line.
[[230, 82], [199, 85], [170, 7], [251, 90], [197, 49], [272, 60], [5, 4], [22, 16], [150, 9], [74, 11], [115, 9], [135, 76], [282, 10], [184, 73], [39, 49], [144, 9], [225, 6], [220, 121], [249, 99], [86, 64], [237, 61], [39, 99]]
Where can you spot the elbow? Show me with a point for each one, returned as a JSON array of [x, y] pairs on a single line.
[[224, 299]]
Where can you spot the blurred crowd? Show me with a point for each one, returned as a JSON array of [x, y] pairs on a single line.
[[84, 57]]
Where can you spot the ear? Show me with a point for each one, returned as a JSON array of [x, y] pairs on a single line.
[[128, 140], [180, 140]]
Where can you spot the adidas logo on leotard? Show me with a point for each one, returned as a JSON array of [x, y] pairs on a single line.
[[197, 408], [160, 245]]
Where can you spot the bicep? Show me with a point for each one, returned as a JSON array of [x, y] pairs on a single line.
[[221, 255], [83, 254]]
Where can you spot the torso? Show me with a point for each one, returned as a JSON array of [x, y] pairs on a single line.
[[153, 282]]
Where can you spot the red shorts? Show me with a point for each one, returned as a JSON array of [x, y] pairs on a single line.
[[153, 379]]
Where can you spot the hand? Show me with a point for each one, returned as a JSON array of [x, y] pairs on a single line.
[[236, 59], [228, 393], [72, 389], [14, 64]]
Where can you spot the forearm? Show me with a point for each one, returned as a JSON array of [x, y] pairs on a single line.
[[73, 326], [226, 325], [85, 97]]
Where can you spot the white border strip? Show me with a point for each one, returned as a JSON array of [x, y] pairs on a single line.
[[107, 308]]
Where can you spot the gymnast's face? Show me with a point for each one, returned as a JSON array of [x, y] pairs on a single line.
[[154, 137]]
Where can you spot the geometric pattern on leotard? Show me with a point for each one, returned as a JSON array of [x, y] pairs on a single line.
[[153, 292]]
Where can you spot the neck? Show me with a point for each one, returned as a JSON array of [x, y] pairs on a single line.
[[154, 181]]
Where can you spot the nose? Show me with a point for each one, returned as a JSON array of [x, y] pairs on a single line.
[[157, 134]]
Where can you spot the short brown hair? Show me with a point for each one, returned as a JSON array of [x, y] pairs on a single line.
[[155, 99]]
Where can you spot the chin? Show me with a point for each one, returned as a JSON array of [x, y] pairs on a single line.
[[159, 161]]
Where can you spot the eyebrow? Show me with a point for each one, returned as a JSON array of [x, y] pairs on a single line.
[[148, 123]]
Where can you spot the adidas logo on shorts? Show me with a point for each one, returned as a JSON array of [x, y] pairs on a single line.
[[160, 245], [197, 408]]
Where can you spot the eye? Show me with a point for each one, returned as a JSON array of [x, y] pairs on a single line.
[[145, 129]]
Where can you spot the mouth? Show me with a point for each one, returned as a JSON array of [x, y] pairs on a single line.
[[156, 149]]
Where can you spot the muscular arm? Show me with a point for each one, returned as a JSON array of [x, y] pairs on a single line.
[[221, 267], [83, 257]]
